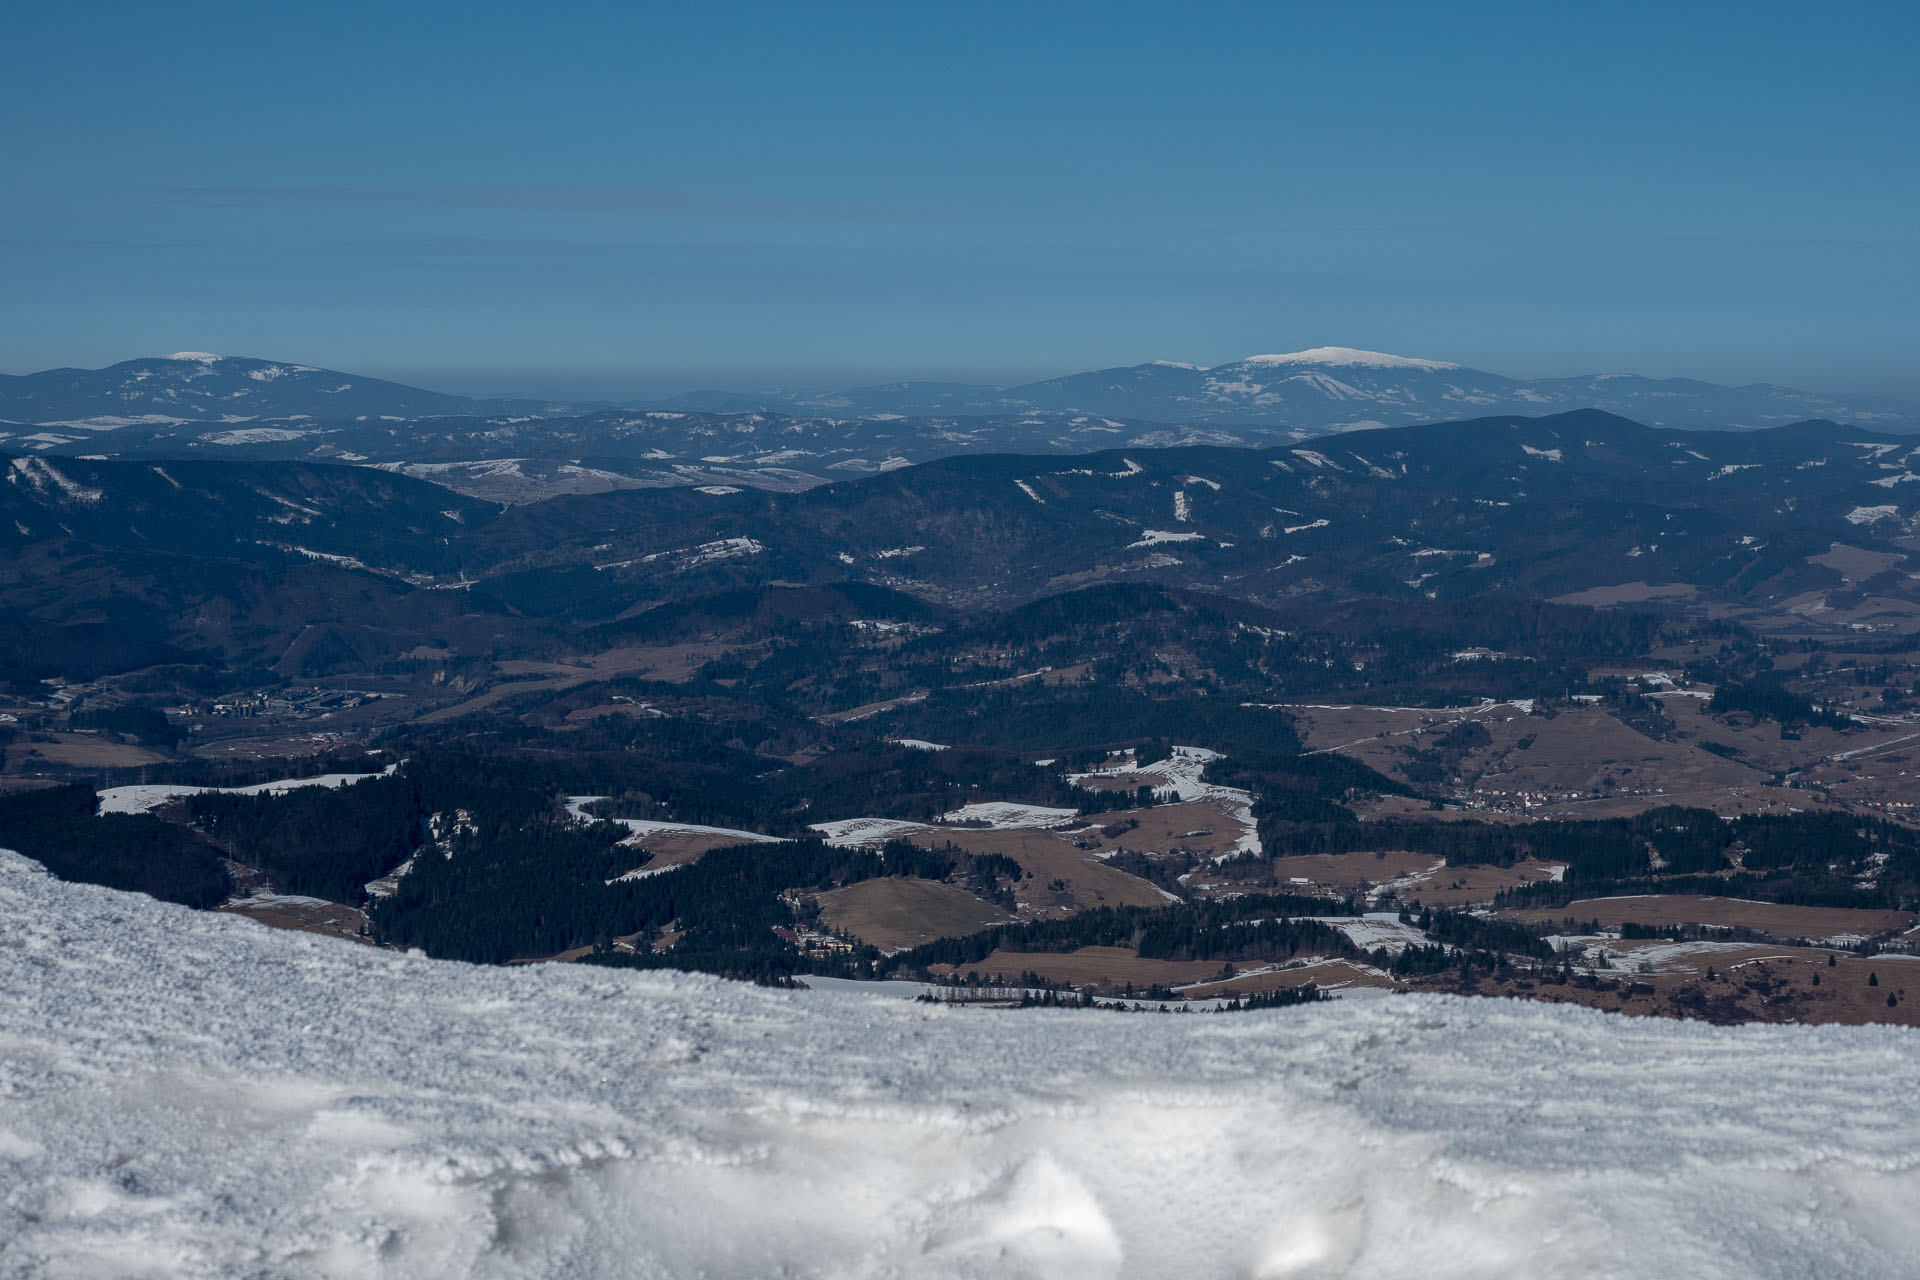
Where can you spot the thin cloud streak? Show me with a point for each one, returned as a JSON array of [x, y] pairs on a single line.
[[1590, 237], [628, 202]]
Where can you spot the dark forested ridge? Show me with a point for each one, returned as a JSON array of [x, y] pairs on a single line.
[[58, 828]]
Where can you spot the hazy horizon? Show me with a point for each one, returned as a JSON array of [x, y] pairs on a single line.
[[741, 195], [640, 384]]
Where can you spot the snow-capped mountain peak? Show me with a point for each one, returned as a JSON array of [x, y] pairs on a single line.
[[199, 357], [1350, 356]]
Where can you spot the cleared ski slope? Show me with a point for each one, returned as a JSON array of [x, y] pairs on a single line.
[[192, 1094]]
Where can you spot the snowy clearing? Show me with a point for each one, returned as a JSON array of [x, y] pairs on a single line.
[[577, 808], [1154, 537], [845, 832], [146, 798], [254, 435], [1378, 929], [1873, 515], [1181, 773], [995, 815], [190, 1094]]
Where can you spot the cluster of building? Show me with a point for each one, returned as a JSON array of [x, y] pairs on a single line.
[[298, 704], [812, 941]]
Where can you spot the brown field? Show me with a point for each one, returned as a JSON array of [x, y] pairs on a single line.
[[1348, 871], [677, 848], [1369, 808], [1757, 800], [870, 709], [1115, 967], [1630, 593], [1413, 876], [1774, 918], [1856, 564], [1088, 881], [673, 663], [500, 693], [1750, 984], [333, 919], [283, 746], [1379, 733], [895, 913], [1165, 827], [1098, 966], [1565, 768], [1577, 751], [1472, 886], [1325, 974], [80, 751]]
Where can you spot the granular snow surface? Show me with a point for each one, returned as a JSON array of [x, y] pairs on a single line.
[[189, 1094]]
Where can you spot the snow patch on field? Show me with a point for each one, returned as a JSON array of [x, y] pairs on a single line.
[[1154, 537], [640, 827], [996, 815], [324, 1109], [1872, 515], [1378, 929], [846, 832], [1181, 775], [254, 435], [145, 798], [1006, 815]]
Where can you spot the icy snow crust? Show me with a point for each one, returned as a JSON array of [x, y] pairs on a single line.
[[189, 1094]]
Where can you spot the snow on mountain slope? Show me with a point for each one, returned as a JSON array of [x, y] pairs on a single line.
[[191, 1094], [1351, 356], [1340, 388]]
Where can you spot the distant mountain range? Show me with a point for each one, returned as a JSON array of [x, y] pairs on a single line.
[[1804, 528], [199, 387], [1334, 388], [1318, 391]]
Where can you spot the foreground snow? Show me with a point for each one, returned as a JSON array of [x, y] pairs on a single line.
[[192, 1094]]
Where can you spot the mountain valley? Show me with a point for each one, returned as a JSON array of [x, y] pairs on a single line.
[[1434, 699]]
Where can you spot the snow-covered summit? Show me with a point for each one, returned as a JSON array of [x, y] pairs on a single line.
[[199, 357], [185, 1094], [1351, 356]]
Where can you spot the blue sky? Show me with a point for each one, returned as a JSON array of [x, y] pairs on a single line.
[[631, 199]]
